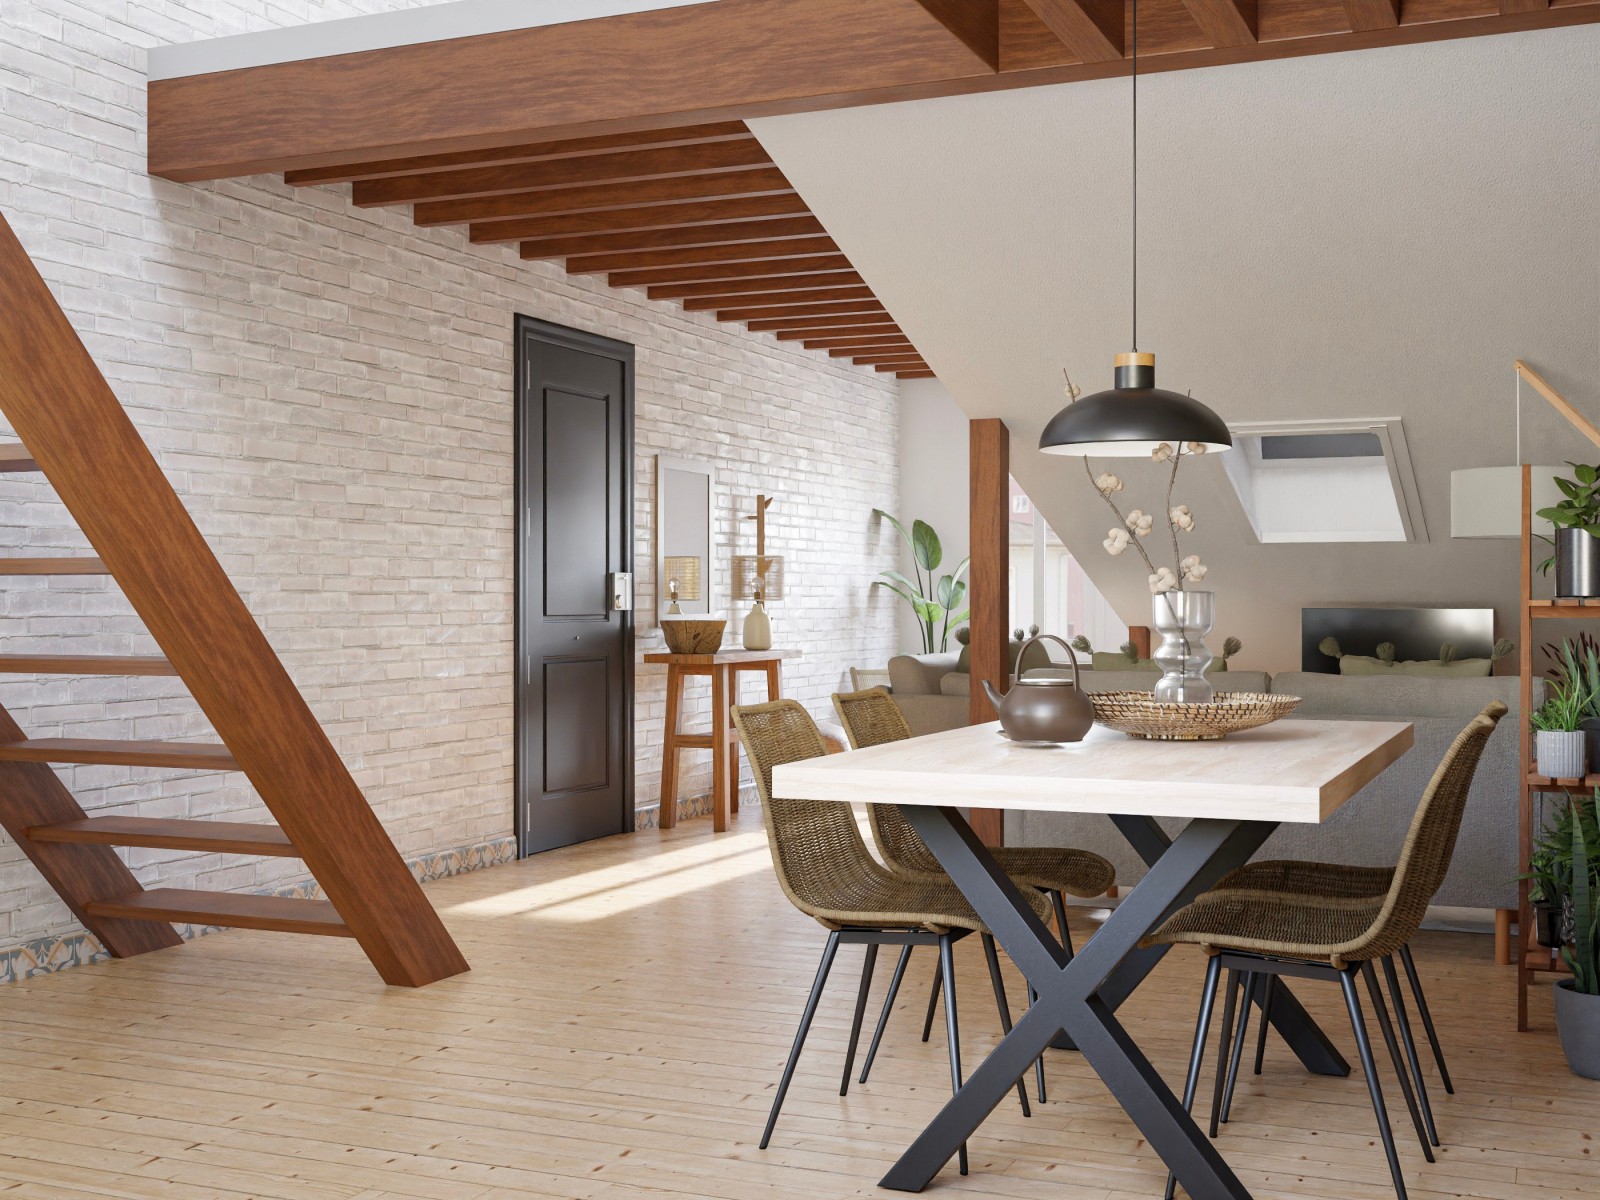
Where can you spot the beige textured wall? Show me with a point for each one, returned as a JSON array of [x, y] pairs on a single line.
[[330, 392]]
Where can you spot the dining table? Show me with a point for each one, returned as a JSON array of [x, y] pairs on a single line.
[[1231, 793]]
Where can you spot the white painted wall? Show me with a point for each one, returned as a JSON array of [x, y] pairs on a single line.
[[330, 391], [933, 482]]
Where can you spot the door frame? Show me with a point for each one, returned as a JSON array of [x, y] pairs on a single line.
[[535, 329]]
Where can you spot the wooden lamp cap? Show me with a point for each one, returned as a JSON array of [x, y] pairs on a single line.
[[1135, 358]]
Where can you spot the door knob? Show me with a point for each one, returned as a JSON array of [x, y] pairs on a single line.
[[621, 588]]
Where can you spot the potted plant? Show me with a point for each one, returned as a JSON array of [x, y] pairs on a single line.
[[937, 603], [1577, 540], [1579, 661], [1559, 751], [1577, 1000], [1550, 881]]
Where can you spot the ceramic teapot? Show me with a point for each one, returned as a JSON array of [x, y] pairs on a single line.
[[1043, 710]]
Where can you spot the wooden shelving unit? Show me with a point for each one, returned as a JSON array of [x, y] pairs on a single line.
[[1532, 960]]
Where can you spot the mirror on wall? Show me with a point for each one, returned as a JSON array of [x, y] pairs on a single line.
[[685, 567]]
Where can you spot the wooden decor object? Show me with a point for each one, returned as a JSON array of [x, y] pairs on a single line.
[[989, 536], [75, 429]]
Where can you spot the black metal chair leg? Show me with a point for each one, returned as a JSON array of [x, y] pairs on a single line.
[[1038, 1063], [1410, 1044], [1222, 1050], [1382, 1011], [1004, 1008], [947, 973], [828, 951], [933, 1000], [1358, 1025], [1058, 901], [861, 1011], [888, 1005], [1427, 1017], [1266, 1022], [1247, 1002], [1202, 1030]]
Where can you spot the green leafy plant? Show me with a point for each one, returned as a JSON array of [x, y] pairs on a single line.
[[1582, 955], [1563, 710], [937, 601], [1578, 664], [1580, 508]]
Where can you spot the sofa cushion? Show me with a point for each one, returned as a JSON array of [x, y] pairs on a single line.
[[919, 674], [1460, 668], [955, 684]]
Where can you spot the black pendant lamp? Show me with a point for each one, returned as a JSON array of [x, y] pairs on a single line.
[[1135, 416]]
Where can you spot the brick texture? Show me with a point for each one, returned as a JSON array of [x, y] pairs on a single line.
[[330, 391]]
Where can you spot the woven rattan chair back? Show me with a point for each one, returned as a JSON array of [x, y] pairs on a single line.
[[817, 851], [1430, 843], [871, 718]]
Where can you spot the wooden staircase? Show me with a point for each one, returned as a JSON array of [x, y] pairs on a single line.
[[74, 430]]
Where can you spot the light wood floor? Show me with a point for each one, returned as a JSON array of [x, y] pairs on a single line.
[[620, 1035]]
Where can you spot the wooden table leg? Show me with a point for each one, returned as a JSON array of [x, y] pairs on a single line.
[[720, 728], [774, 687], [669, 748]]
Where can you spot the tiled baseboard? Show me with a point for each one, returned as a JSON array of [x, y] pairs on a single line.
[[41, 956], [690, 807]]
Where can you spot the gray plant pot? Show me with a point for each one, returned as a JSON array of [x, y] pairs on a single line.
[[1559, 755], [1577, 563], [1578, 1023]]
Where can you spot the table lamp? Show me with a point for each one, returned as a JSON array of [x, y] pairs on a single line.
[[683, 580]]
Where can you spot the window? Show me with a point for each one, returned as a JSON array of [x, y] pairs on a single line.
[[1326, 481]]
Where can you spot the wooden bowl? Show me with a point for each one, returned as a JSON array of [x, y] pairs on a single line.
[[694, 634]]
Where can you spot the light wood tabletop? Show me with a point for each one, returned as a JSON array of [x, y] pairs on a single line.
[[1294, 771]]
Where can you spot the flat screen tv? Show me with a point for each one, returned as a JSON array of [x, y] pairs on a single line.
[[1416, 633]]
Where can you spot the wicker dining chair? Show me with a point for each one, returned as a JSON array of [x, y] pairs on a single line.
[[827, 872], [1262, 936], [872, 718]]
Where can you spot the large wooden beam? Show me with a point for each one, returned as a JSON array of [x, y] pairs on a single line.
[[1226, 22], [630, 166], [1091, 29], [607, 197], [975, 22], [627, 220], [989, 542], [1367, 15], [581, 78], [672, 235]]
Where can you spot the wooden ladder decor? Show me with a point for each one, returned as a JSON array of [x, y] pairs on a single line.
[[74, 430]]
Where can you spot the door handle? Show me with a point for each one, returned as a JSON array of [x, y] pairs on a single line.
[[621, 589]]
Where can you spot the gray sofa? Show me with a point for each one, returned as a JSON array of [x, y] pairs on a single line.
[[1371, 826]]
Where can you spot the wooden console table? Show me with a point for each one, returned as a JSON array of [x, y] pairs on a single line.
[[723, 668]]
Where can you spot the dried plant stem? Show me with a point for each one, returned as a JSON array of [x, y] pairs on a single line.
[[1172, 482], [1121, 520]]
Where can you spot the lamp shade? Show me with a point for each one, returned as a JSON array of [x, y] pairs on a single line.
[[1133, 418], [1486, 502], [752, 574], [683, 576]]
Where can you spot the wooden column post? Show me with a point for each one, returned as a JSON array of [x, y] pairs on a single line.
[[989, 582]]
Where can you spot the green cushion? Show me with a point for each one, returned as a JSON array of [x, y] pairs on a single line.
[[1461, 668]]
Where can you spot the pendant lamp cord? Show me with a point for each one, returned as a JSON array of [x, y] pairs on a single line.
[[1134, 74]]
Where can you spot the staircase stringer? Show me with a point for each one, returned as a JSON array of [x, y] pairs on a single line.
[[77, 431]]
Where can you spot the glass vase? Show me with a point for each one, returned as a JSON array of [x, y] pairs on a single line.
[[1183, 619]]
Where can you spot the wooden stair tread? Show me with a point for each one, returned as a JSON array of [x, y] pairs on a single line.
[[52, 566], [198, 756], [285, 914], [218, 837], [14, 456], [85, 664]]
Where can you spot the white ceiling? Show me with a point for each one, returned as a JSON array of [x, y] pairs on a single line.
[[1365, 234]]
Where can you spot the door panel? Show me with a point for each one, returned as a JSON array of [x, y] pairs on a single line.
[[574, 722]]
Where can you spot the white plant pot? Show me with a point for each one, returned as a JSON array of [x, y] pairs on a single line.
[[1560, 755]]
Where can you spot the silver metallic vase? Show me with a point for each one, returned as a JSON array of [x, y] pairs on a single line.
[[1183, 619]]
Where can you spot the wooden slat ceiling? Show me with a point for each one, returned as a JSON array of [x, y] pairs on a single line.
[[697, 214]]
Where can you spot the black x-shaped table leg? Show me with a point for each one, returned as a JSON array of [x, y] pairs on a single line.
[[1079, 997]]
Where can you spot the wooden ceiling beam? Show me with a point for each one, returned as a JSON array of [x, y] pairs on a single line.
[[626, 220], [605, 196], [898, 367], [1093, 30], [672, 235], [1226, 22], [1368, 15], [688, 256], [855, 344], [789, 331], [850, 351], [779, 299], [794, 283], [975, 22], [1524, 6], [885, 328], [628, 166], [797, 313], [771, 269], [916, 374], [529, 152], [887, 356]]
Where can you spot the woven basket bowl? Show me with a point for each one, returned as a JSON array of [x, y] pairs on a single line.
[[693, 635], [1141, 715]]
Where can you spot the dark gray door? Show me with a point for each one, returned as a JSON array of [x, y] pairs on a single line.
[[574, 710]]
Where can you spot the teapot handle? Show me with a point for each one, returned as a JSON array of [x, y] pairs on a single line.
[[1072, 657]]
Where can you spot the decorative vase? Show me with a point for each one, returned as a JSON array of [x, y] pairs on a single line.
[[1559, 754], [1577, 563], [1183, 619], [1578, 1024], [757, 628]]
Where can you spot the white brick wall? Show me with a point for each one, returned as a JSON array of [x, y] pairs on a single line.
[[330, 391]]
